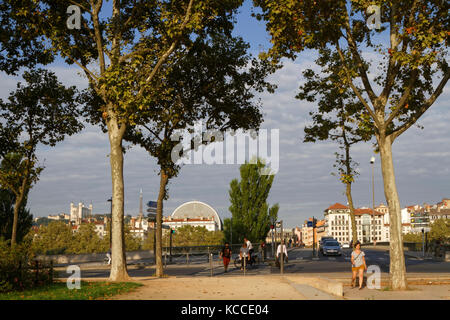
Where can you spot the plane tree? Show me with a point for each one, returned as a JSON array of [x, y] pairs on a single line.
[[125, 49], [335, 117], [410, 44], [40, 112], [197, 89]]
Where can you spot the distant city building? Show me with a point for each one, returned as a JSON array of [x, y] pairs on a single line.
[[196, 214], [370, 225], [77, 214], [287, 234], [310, 234], [61, 216]]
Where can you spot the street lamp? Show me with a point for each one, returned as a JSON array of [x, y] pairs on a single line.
[[110, 222], [372, 161]]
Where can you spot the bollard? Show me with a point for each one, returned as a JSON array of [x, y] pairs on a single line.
[[210, 263]]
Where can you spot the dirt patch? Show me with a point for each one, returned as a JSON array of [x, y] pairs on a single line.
[[215, 288]]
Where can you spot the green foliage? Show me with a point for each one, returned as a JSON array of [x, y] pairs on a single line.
[[16, 271], [193, 236], [132, 243], [251, 215], [338, 112], [195, 89], [7, 200], [20, 41], [440, 230], [42, 112], [86, 240], [56, 238], [412, 45], [412, 237]]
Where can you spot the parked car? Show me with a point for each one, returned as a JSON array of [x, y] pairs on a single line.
[[331, 248], [323, 240], [346, 245]]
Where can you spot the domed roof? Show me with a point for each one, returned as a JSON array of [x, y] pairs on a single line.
[[196, 209]]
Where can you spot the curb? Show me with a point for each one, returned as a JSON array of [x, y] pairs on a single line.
[[329, 286]]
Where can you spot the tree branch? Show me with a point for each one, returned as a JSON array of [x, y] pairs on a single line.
[[360, 65], [169, 51], [355, 90], [98, 35], [397, 132]]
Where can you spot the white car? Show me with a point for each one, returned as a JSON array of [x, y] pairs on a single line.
[[346, 246]]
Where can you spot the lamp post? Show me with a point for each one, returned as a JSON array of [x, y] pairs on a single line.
[[372, 161], [110, 222]]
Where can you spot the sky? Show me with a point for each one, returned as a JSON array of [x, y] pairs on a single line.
[[77, 169]]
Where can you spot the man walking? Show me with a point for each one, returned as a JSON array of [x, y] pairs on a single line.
[[281, 248]]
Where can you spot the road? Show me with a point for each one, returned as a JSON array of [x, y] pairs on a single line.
[[300, 261]]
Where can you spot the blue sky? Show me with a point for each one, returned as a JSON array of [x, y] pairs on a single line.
[[78, 168]]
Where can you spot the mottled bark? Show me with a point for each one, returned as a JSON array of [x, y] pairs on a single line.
[[348, 192], [17, 204], [118, 264], [397, 271], [159, 211]]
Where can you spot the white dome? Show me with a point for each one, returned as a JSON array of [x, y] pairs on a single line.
[[196, 209]]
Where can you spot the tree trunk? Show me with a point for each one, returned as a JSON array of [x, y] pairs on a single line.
[[348, 192], [397, 270], [17, 205], [348, 189], [118, 264], [159, 210]]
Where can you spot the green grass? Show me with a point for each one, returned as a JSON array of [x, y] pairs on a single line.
[[59, 291]]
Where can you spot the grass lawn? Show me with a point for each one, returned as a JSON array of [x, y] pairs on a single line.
[[59, 291]]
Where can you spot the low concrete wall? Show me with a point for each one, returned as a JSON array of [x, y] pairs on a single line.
[[91, 257], [327, 285]]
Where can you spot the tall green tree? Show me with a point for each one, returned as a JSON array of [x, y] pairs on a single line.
[[42, 112], [125, 49], [336, 118], [221, 98], [250, 212], [25, 218], [411, 43]]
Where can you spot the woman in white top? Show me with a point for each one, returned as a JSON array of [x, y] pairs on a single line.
[[358, 265]]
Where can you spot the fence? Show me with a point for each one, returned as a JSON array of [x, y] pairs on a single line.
[[188, 252], [43, 272]]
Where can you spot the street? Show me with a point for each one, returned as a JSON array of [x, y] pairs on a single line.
[[300, 262]]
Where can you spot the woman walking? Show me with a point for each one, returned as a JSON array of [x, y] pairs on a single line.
[[358, 265]]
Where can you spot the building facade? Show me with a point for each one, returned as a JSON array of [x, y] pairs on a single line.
[[196, 214], [80, 212], [370, 225]]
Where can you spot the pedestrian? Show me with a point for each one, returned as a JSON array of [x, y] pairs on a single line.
[[244, 255], [358, 265], [108, 255], [281, 248], [249, 246], [225, 254], [263, 250]]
